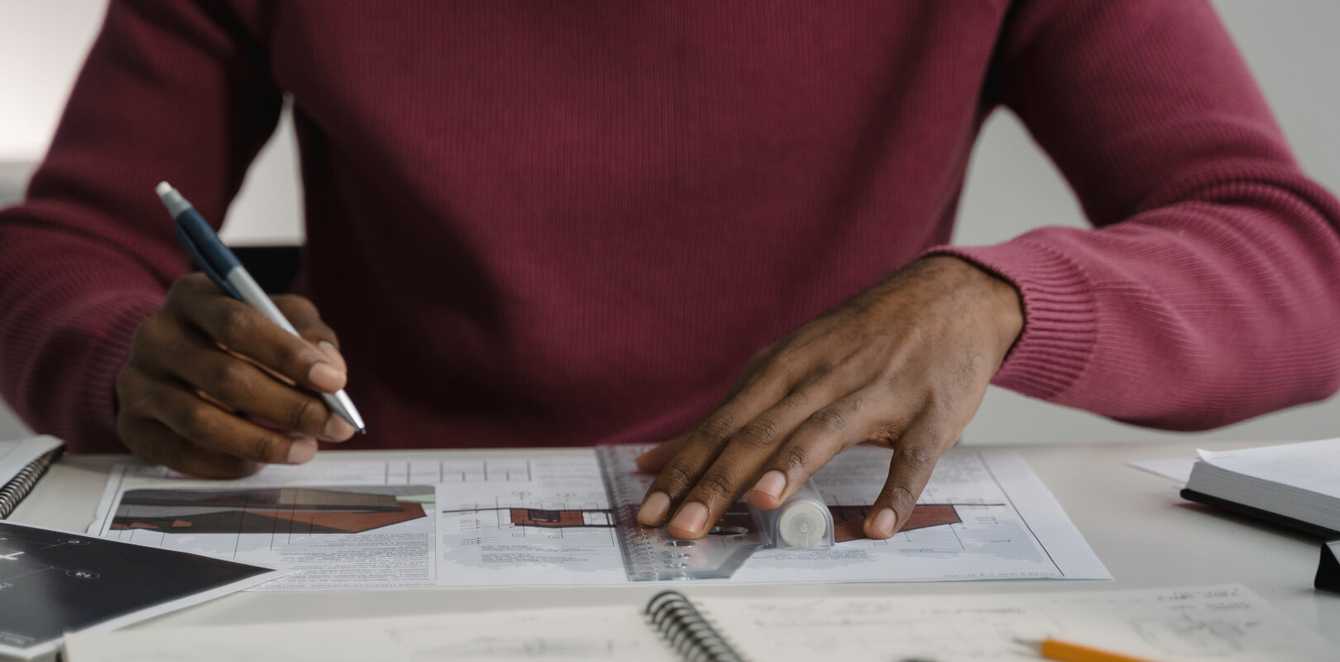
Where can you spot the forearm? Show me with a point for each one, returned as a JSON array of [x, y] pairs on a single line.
[[67, 314], [169, 90], [1219, 303], [1208, 293]]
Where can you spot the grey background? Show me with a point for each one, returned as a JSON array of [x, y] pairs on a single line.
[[1289, 45]]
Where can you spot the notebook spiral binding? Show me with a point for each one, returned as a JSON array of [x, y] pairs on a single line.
[[15, 490], [688, 632]]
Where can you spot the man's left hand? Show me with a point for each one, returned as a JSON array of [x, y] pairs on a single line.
[[903, 365]]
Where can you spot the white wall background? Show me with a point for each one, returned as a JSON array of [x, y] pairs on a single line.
[[1290, 46]]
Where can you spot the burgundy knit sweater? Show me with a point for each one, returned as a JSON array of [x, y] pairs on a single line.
[[572, 222]]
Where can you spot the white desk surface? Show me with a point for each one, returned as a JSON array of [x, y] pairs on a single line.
[[1145, 534]]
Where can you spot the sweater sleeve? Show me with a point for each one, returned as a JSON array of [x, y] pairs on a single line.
[[172, 91], [1209, 290]]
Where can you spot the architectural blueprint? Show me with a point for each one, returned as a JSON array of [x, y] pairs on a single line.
[[561, 517]]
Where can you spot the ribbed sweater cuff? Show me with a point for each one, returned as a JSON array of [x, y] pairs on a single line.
[[110, 348], [1060, 314]]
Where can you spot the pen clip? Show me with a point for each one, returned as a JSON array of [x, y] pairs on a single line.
[[205, 266]]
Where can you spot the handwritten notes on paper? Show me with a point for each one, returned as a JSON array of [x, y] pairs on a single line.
[[1222, 623]]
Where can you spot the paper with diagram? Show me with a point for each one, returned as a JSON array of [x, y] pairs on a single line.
[[565, 517]]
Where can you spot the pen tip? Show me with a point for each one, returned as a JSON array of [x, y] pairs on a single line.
[[163, 189]]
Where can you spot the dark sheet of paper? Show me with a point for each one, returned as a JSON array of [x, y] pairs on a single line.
[[52, 582]]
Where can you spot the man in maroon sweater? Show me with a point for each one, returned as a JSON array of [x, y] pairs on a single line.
[[540, 223]]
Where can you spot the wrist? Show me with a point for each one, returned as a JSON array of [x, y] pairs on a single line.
[[997, 299]]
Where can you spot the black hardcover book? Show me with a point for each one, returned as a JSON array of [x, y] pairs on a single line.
[[54, 582]]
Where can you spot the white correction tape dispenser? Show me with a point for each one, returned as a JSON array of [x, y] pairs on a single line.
[[803, 521]]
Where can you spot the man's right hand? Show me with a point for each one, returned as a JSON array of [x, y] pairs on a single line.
[[212, 387]]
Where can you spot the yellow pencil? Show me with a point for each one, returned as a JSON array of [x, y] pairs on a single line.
[[1064, 651]]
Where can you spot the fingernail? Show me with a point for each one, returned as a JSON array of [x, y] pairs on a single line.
[[653, 509], [338, 429], [333, 354], [301, 451], [883, 524], [771, 484], [326, 377], [690, 519]]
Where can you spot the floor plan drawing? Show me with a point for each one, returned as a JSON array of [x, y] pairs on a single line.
[[564, 517]]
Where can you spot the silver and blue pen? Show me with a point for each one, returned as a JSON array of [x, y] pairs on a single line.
[[229, 275]]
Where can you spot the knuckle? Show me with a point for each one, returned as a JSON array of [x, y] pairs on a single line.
[[716, 428], [151, 334], [761, 432], [231, 379], [787, 362], [295, 355], [915, 457], [180, 289], [716, 487], [306, 416], [902, 496], [939, 431], [186, 288], [236, 324], [676, 476], [821, 369], [886, 433], [134, 393], [131, 396], [194, 421], [794, 458], [758, 358], [267, 448], [830, 419]]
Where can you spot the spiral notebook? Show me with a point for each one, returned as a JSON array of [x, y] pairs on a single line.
[[1225, 623], [22, 464]]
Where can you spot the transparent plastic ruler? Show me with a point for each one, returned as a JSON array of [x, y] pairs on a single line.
[[650, 554]]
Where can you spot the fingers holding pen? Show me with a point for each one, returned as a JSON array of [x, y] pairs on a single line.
[[215, 386], [245, 331], [167, 348], [199, 423], [155, 443]]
